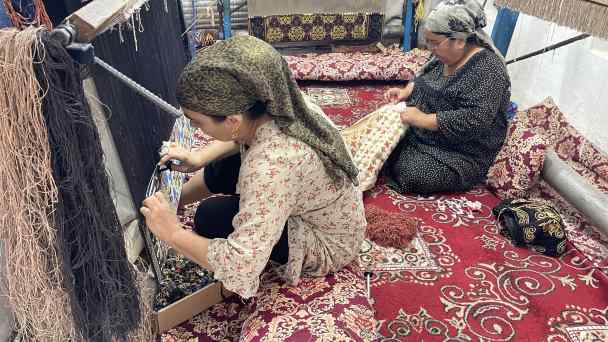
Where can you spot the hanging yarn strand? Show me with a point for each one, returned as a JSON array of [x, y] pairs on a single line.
[[585, 16], [68, 277], [34, 274], [105, 299], [25, 13]]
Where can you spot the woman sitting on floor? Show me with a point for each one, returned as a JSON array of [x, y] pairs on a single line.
[[456, 106], [292, 188]]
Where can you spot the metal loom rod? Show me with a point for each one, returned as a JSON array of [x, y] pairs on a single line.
[[549, 48], [139, 89]]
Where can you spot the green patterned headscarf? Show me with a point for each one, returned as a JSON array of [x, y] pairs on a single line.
[[230, 76]]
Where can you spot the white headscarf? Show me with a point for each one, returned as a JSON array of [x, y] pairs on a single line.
[[460, 19]]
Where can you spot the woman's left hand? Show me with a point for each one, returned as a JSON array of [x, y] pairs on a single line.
[[161, 220], [412, 116], [415, 117]]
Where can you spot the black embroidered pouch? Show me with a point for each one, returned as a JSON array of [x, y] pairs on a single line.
[[532, 223]]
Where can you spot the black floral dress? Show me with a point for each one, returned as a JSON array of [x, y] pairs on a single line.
[[471, 110]]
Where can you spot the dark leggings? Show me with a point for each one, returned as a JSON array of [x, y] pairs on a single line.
[[214, 215]]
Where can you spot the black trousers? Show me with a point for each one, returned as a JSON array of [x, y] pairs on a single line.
[[214, 215]]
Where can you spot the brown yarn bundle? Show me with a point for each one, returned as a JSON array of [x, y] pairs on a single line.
[[67, 271], [388, 228], [104, 297], [35, 278]]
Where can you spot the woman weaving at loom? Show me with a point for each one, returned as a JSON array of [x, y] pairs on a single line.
[[456, 106], [297, 201]]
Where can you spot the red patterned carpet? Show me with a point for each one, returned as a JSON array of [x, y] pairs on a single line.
[[475, 285], [459, 280], [347, 102]]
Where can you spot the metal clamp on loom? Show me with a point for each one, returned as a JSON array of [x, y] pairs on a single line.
[[82, 53]]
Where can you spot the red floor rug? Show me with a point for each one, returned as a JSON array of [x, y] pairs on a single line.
[[459, 279], [463, 281], [347, 102]]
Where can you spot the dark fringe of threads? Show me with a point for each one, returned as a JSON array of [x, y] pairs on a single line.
[[34, 277], [98, 276]]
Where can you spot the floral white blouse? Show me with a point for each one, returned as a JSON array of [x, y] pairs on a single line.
[[283, 180]]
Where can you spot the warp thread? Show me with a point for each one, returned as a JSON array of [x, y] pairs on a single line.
[[35, 276], [25, 13], [101, 282], [583, 15], [68, 277]]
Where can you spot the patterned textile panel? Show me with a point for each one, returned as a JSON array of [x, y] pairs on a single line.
[[371, 140], [171, 181], [347, 102], [511, 177], [569, 144], [330, 308], [321, 28], [350, 66]]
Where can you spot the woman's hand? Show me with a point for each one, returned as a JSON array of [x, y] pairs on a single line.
[[394, 95], [411, 116], [160, 218], [189, 160], [415, 117]]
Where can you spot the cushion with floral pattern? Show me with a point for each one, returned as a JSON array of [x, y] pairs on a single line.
[[518, 165], [348, 66]]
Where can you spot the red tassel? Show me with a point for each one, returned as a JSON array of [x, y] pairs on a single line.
[[20, 22], [41, 16]]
